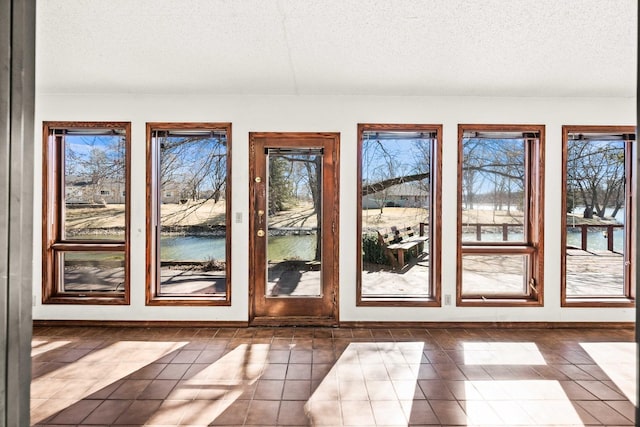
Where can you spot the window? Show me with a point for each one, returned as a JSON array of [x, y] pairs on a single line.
[[500, 207], [85, 235], [188, 211], [596, 216], [399, 217]]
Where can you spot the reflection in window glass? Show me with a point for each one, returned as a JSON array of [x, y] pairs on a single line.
[[396, 217], [192, 209], [92, 272], [596, 220], [495, 275], [493, 193], [94, 185]]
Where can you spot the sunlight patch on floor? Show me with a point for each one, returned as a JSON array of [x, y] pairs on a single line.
[[42, 346], [502, 353], [518, 402], [619, 361], [98, 369], [371, 383], [221, 382]]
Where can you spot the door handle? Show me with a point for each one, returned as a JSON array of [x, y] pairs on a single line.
[[260, 233]]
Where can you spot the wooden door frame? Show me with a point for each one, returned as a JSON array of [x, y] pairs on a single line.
[[331, 239]]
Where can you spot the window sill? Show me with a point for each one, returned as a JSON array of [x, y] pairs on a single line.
[[499, 302], [620, 302], [398, 302], [86, 300], [188, 301]]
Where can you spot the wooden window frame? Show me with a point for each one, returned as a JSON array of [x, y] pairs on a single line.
[[533, 246], [435, 272], [52, 221], [152, 292], [628, 300]]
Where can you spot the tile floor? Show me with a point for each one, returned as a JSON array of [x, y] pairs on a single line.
[[332, 377]]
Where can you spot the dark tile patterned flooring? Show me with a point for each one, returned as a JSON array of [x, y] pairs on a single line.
[[333, 377]]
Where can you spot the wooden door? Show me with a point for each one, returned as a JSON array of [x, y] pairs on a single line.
[[293, 228]]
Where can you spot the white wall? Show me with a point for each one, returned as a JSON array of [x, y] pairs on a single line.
[[334, 114]]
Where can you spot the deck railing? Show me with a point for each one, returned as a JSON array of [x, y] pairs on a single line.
[[608, 233], [478, 229], [584, 231]]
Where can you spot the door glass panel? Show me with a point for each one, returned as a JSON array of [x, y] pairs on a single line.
[[293, 220], [596, 219]]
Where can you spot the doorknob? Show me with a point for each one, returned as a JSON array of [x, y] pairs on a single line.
[[260, 233]]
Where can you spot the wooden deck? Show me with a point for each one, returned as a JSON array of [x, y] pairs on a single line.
[[588, 273], [594, 273]]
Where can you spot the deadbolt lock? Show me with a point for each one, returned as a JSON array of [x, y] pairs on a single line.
[[260, 233], [258, 179]]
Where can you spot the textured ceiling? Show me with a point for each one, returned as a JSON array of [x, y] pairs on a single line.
[[381, 47]]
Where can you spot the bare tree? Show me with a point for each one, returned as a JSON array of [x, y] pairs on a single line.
[[378, 167], [195, 167], [280, 184], [595, 171], [298, 176], [470, 176], [94, 162], [493, 170]]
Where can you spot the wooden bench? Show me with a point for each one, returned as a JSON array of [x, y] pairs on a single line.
[[397, 241]]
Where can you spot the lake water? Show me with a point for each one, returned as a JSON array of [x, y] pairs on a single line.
[[596, 240], [576, 210], [202, 248], [292, 247], [192, 248]]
